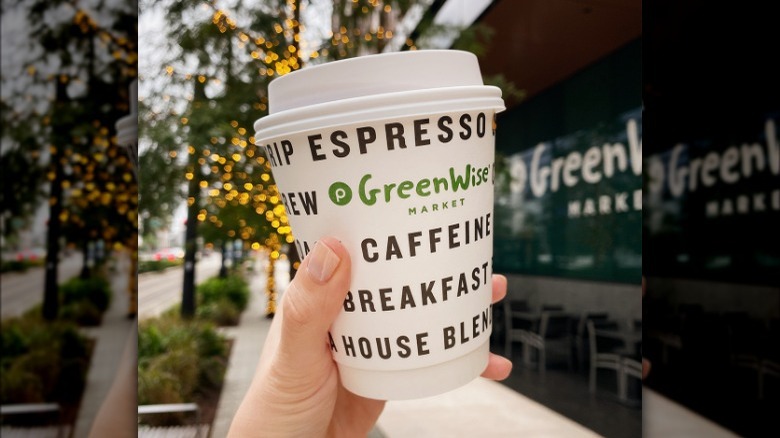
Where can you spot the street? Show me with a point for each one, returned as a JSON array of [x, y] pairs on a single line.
[[21, 290], [158, 291]]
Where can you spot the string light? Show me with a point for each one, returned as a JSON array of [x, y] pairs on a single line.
[[227, 182]]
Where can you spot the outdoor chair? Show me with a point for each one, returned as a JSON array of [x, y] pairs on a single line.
[[601, 358], [514, 326], [553, 336], [629, 367], [581, 342]]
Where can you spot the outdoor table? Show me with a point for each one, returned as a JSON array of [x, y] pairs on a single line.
[[631, 338], [532, 318], [667, 340]]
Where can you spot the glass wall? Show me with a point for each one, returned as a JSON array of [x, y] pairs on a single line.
[[568, 201]]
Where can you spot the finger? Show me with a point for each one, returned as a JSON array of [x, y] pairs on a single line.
[[499, 287], [311, 303], [498, 367]]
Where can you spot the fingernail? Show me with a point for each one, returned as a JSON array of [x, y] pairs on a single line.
[[322, 263]]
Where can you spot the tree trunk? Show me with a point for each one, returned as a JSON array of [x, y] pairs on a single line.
[[61, 134], [132, 309], [85, 271], [190, 243], [223, 270], [270, 291], [193, 194], [295, 260], [297, 32]]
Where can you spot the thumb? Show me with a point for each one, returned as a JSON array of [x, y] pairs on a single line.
[[312, 302]]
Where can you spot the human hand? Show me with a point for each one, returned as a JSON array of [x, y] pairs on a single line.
[[117, 416], [296, 390]]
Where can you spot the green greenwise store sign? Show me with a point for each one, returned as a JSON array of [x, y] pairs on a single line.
[[569, 177]]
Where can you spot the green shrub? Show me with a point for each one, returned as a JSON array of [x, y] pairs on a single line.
[[177, 360], [95, 290], [167, 332], [14, 341], [82, 301], [157, 265], [212, 372], [18, 385], [182, 363], [42, 361], [13, 266], [83, 313], [150, 342], [172, 312], [211, 343], [73, 345], [19, 265], [233, 287], [156, 386], [237, 291], [222, 312], [72, 380]]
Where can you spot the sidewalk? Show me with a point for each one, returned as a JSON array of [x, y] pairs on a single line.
[[481, 408], [110, 338], [248, 338]]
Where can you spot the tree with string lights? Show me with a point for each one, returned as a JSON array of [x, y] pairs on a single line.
[[213, 87], [72, 84], [21, 191], [215, 84], [161, 189], [363, 27]]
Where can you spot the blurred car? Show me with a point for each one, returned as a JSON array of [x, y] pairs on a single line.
[[32, 254], [169, 254]]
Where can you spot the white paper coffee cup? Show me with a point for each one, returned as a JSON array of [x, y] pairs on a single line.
[[393, 154]]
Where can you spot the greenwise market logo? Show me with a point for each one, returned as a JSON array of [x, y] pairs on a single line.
[[340, 193], [369, 192]]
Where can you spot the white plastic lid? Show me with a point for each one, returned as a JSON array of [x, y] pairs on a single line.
[[127, 130], [134, 97], [372, 75]]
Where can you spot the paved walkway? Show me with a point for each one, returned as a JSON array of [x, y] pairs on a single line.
[[111, 336], [248, 339], [666, 418], [481, 408]]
